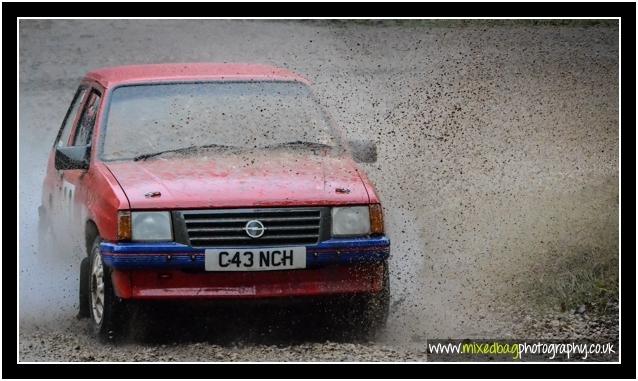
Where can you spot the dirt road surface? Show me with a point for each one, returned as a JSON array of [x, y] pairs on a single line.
[[498, 148]]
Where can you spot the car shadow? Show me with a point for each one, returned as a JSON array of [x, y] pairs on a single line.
[[229, 324]]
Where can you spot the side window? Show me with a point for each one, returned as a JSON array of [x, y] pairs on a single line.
[[67, 126], [87, 120]]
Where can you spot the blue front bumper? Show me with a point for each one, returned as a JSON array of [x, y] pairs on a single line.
[[175, 255]]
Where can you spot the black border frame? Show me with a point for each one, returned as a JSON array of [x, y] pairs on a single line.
[[626, 369]]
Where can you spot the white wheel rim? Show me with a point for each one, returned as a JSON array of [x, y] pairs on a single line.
[[97, 287]]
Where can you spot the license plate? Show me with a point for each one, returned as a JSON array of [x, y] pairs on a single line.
[[255, 259]]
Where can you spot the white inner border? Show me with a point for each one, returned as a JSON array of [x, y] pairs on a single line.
[[309, 18]]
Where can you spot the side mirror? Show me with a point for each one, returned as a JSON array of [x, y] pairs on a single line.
[[72, 157], [364, 151]]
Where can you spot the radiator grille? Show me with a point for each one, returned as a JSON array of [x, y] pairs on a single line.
[[211, 228]]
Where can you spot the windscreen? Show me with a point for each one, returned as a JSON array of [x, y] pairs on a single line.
[[147, 119]]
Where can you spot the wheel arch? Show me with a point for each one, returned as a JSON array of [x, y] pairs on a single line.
[[90, 232]]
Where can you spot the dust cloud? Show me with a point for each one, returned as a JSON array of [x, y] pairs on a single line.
[[48, 280]]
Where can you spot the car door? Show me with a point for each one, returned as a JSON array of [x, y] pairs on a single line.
[[74, 180], [55, 199]]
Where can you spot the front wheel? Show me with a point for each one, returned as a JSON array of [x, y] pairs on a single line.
[[371, 311], [107, 311], [377, 307], [85, 273]]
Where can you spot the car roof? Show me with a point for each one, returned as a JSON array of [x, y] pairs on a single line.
[[153, 73]]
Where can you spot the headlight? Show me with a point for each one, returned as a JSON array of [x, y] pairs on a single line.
[[152, 226], [350, 221]]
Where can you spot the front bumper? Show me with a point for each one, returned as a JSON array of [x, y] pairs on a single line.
[[176, 271]]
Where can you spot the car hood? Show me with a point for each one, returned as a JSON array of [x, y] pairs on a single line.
[[229, 181]]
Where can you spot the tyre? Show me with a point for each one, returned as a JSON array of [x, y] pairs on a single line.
[[373, 311], [106, 310], [85, 271]]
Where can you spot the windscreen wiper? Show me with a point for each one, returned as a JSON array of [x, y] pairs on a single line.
[[300, 143], [183, 149]]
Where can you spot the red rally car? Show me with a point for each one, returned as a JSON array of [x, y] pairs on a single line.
[[213, 181]]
